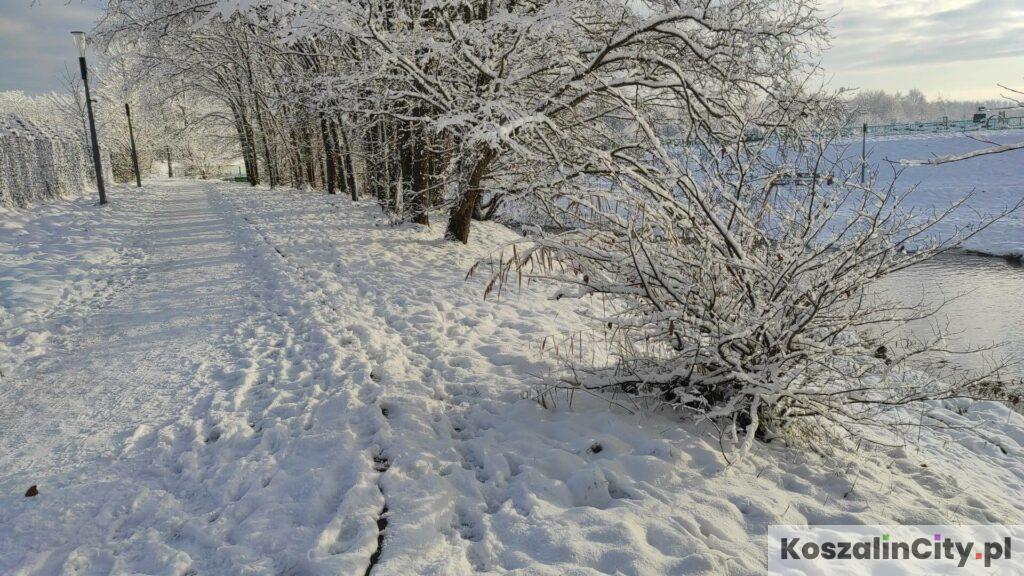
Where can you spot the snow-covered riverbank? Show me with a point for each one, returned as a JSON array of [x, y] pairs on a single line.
[[279, 382]]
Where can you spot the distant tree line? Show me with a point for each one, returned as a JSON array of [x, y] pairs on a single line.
[[881, 107]]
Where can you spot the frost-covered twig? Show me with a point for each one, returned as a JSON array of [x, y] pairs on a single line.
[[966, 156]]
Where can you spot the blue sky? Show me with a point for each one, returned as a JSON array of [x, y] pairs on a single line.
[[951, 48]]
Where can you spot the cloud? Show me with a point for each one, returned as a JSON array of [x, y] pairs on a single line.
[[893, 44], [35, 44], [876, 34]]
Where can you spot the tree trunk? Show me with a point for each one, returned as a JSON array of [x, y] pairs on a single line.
[[245, 140], [421, 179], [298, 161], [329, 171], [311, 159], [263, 131], [350, 174], [267, 158], [462, 212]]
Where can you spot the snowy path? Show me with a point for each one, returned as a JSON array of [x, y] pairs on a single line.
[[126, 363], [282, 384]]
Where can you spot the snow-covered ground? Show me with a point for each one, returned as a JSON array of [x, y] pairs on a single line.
[[239, 381], [58, 259], [996, 181]]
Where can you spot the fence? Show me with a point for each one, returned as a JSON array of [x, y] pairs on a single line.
[[994, 122], [39, 164]]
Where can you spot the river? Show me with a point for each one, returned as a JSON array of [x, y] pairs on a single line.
[[987, 308]]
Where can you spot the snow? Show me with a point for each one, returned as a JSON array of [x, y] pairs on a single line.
[[54, 259], [995, 180], [240, 381]]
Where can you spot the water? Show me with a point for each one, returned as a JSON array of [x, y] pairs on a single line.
[[988, 309]]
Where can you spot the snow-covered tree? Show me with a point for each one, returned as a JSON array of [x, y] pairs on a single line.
[[880, 107], [672, 150]]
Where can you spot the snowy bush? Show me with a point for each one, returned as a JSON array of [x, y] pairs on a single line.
[[37, 163], [734, 272], [735, 296]]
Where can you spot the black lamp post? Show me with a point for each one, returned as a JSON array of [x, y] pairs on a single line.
[[135, 155], [80, 42]]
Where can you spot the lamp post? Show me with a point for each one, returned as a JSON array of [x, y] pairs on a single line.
[[135, 155], [80, 42]]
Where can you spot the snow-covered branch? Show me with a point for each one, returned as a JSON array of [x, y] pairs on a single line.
[[966, 156]]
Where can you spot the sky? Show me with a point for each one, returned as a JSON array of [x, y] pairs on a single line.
[[35, 41], [957, 49]]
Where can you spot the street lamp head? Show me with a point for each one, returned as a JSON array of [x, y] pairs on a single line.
[[80, 42]]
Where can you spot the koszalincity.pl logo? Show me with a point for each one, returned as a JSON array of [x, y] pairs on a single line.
[[883, 550], [884, 547]]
